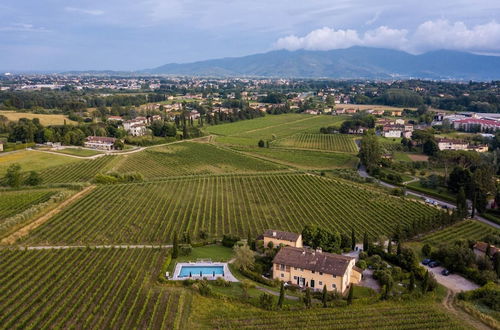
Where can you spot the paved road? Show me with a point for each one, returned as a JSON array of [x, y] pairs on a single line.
[[362, 172], [453, 282]]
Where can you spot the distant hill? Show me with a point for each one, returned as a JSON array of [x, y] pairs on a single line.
[[350, 63]]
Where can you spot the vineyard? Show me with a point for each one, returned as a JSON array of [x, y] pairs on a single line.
[[87, 289], [80, 171], [469, 229], [386, 315], [152, 212], [189, 158], [249, 132], [13, 202], [327, 142]]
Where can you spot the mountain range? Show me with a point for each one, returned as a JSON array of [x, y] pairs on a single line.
[[350, 63]]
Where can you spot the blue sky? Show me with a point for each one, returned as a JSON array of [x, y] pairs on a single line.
[[138, 34]]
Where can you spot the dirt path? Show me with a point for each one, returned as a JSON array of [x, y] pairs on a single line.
[[11, 239], [449, 305]]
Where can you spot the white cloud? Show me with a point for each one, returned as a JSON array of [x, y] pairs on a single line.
[[430, 35], [93, 12], [21, 27]]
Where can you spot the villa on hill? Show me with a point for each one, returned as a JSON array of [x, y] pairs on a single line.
[[306, 267], [100, 142]]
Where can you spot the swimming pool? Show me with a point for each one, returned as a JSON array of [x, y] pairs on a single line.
[[188, 271]]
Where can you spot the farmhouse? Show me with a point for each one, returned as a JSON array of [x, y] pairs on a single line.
[[282, 237], [481, 248], [313, 268], [100, 142], [452, 144]]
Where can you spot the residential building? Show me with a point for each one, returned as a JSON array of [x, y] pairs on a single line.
[[478, 148], [305, 267], [282, 238], [476, 124], [480, 249], [311, 112], [452, 144], [100, 142], [114, 118]]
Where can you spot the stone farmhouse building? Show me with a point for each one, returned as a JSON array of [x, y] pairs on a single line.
[[100, 142], [282, 238]]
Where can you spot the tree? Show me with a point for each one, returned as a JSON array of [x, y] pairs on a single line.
[[266, 301], [261, 144], [175, 247], [324, 296], [33, 179], [389, 246], [351, 295], [282, 295], [244, 257], [412, 282], [425, 282], [430, 147], [426, 250], [308, 298], [366, 243], [118, 145], [353, 239], [13, 175], [398, 251], [370, 152], [461, 203], [496, 263]]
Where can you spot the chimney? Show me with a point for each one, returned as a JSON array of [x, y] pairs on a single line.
[[274, 234]]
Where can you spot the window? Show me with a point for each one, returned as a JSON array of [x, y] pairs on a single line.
[[320, 273], [282, 267], [334, 276], [334, 286], [320, 283], [295, 277], [282, 275], [313, 271]]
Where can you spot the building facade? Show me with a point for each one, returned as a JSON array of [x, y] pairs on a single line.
[[282, 238]]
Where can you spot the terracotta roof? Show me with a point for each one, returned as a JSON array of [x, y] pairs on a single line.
[[478, 121], [482, 246], [101, 139], [282, 235], [304, 258], [454, 141]]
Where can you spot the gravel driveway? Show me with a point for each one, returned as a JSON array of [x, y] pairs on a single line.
[[454, 282]]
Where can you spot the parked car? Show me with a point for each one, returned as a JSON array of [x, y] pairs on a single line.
[[426, 261], [445, 272], [435, 203], [445, 207], [433, 264]]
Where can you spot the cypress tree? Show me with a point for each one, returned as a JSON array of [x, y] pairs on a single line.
[[351, 295], [353, 239], [461, 203], [425, 282], [412, 282], [308, 298], [365, 242], [324, 296], [389, 247], [399, 249], [175, 247], [282, 295]]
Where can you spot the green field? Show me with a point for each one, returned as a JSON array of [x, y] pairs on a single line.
[[211, 314], [152, 212], [189, 158], [469, 229], [270, 127], [88, 289], [13, 202], [81, 171], [78, 152], [33, 160], [305, 159], [327, 142]]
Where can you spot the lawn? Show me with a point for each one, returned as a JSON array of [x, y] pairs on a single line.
[[33, 160], [45, 120], [78, 152], [212, 252]]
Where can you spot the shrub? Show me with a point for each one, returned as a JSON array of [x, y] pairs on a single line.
[[229, 241], [266, 301], [185, 249]]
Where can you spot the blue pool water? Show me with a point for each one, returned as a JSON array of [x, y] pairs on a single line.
[[205, 271]]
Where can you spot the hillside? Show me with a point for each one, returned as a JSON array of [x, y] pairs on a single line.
[[350, 63]]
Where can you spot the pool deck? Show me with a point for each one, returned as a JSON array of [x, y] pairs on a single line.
[[227, 273]]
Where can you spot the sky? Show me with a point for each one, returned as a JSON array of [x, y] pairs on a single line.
[[59, 35]]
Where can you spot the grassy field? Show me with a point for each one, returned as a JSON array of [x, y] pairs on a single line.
[[45, 120], [231, 204], [468, 229], [427, 314], [189, 158], [249, 132], [78, 152], [33, 160], [13, 202], [305, 159], [88, 289], [328, 142], [208, 252]]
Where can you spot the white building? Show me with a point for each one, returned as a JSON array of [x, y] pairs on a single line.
[[100, 142]]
